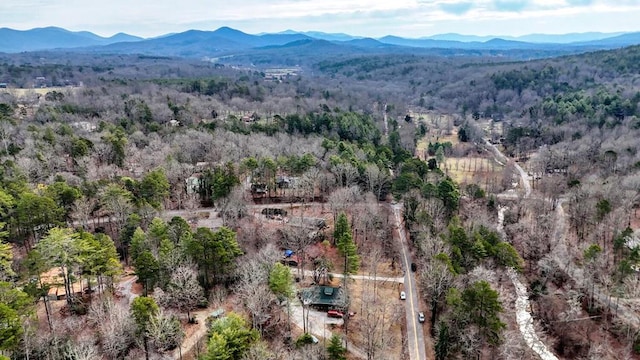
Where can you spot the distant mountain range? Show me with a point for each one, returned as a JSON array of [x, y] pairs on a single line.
[[532, 38], [228, 43], [12, 41]]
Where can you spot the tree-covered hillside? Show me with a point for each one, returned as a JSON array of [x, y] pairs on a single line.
[[190, 178]]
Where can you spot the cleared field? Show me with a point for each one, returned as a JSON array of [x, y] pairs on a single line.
[[439, 129], [441, 136], [40, 91], [463, 170], [471, 170]]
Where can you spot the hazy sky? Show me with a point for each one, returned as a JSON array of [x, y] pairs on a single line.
[[410, 18]]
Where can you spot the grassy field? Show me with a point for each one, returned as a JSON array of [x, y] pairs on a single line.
[[463, 170], [469, 170], [440, 129]]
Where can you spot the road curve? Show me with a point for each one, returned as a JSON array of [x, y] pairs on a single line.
[[562, 256], [524, 319], [415, 336], [503, 160]]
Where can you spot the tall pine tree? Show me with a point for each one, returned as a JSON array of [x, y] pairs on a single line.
[[346, 245]]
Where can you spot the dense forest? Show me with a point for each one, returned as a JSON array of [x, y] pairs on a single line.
[[107, 162]]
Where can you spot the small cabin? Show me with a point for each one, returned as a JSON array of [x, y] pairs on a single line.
[[258, 189], [324, 297]]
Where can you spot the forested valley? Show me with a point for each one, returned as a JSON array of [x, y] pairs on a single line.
[[146, 204]]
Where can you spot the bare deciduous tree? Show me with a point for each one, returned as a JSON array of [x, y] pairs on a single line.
[[253, 290], [233, 207], [345, 173], [183, 292], [259, 351], [165, 332], [343, 198], [368, 218], [514, 347], [114, 325], [298, 238], [436, 279], [377, 316], [376, 179], [509, 176], [82, 211], [552, 187], [309, 182], [83, 348]]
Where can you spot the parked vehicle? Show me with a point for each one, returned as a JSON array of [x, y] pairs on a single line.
[[335, 314], [403, 295], [421, 317]]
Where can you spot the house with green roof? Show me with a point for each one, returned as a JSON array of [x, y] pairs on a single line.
[[324, 297]]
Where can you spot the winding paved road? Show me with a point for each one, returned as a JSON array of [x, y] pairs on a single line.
[[415, 335]]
